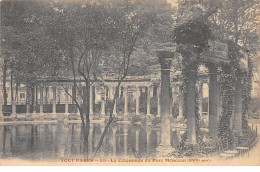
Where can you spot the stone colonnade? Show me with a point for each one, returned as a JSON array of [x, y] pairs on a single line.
[[214, 105], [54, 95]]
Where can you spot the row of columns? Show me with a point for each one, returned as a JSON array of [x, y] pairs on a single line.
[[165, 59], [214, 104], [103, 102]]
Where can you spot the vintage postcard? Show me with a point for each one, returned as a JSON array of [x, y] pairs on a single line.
[[129, 83]]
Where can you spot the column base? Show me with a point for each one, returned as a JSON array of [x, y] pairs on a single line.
[[180, 118], [66, 117], [102, 115], [13, 116], [91, 116], [164, 150], [1, 117], [28, 117], [41, 116], [149, 115], [114, 115], [126, 116], [54, 116]]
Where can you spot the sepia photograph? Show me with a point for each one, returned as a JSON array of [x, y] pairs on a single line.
[[129, 83]]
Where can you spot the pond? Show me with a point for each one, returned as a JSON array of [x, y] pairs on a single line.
[[61, 140]]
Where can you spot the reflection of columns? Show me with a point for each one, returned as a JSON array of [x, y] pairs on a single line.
[[114, 130], [13, 133], [125, 139], [148, 134], [91, 128], [102, 148], [1, 136], [158, 135], [54, 100], [137, 100], [213, 99], [159, 102], [148, 101], [126, 101], [238, 106], [137, 135], [165, 59]]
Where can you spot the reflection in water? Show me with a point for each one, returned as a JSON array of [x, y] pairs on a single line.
[[52, 141]]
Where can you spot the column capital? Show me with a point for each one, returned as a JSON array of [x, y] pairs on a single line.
[[126, 128], [114, 130], [165, 59]]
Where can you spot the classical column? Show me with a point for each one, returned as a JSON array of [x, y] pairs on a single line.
[[173, 99], [14, 108], [180, 116], [126, 102], [114, 108], [137, 101], [165, 59], [28, 113], [54, 100], [41, 101], [1, 110], [125, 139], [238, 105], [35, 99], [66, 103], [201, 98], [91, 102], [159, 102], [219, 98], [103, 107], [114, 130], [191, 104], [46, 94], [213, 100], [148, 109], [137, 136]]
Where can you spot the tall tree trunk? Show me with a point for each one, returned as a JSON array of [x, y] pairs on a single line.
[[85, 108], [16, 91], [4, 81]]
